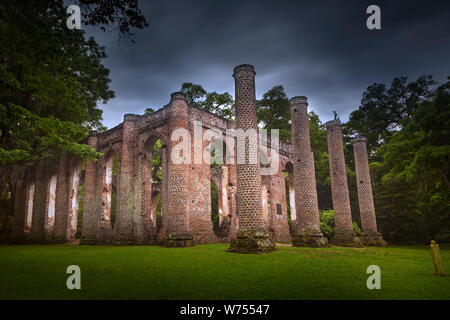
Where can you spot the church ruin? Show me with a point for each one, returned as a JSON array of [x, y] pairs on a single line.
[[172, 204]]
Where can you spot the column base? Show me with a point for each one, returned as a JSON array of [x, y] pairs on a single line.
[[346, 239], [258, 242], [175, 240], [373, 238], [87, 241], [123, 240], [310, 239]]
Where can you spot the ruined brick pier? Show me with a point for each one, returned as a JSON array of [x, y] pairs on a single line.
[[370, 234], [129, 200], [344, 234], [306, 206], [253, 235]]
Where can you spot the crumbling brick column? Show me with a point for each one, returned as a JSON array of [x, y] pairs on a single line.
[[126, 207], [178, 230], [306, 207], [62, 199], [252, 236], [38, 232], [370, 234], [90, 208], [199, 199], [344, 234], [20, 199]]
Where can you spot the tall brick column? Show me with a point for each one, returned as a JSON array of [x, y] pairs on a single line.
[[20, 199], [38, 233], [306, 207], [178, 230], [370, 234], [252, 236], [62, 199], [344, 234], [126, 207], [90, 207]]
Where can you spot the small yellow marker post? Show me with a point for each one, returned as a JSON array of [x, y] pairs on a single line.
[[436, 256]]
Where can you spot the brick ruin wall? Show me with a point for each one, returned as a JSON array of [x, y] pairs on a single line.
[[184, 190]]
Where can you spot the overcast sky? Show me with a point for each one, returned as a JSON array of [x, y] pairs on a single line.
[[319, 49]]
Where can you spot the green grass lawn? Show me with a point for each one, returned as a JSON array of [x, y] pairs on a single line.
[[209, 272]]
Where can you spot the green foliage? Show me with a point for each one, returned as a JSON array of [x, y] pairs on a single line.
[[148, 111], [123, 13], [356, 228], [383, 111], [410, 169], [221, 104], [274, 112], [156, 161], [327, 224], [51, 79], [158, 211]]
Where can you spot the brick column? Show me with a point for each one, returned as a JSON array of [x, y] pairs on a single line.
[[178, 230], [306, 208], [20, 200], [344, 234], [90, 208], [252, 236], [38, 233], [126, 207], [370, 234], [62, 199]]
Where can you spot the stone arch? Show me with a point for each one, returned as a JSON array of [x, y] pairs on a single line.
[[72, 217], [51, 203], [109, 187], [290, 190], [29, 207], [154, 184], [219, 194]]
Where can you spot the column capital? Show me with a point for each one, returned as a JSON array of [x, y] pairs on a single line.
[[332, 123], [359, 139], [244, 69], [177, 96], [300, 101]]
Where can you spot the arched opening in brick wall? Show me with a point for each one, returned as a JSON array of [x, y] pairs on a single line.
[[109, 190], [80, 202], [219, 189], [215, 207], [152, 180], [290, 192], [74, 192], [51, 202], [29, 208], [265, 197], [156, 210]]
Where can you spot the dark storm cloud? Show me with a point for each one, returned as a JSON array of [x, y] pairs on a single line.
[[321, 49]]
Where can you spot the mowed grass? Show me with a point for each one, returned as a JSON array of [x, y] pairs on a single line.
[[209, 272]]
